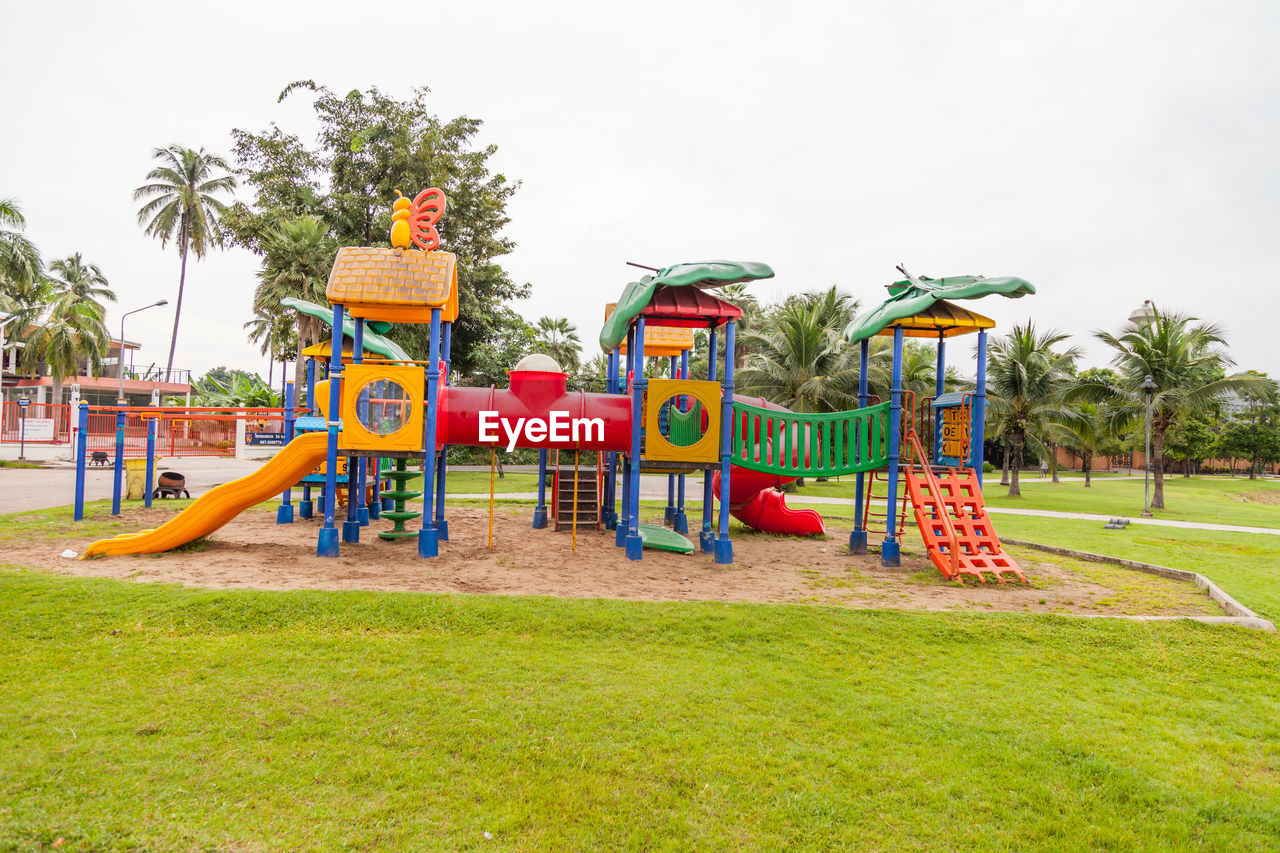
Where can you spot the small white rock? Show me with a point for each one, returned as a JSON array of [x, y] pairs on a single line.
[[488, 836], [69, 554]]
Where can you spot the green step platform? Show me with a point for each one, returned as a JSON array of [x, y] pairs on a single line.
[[661, 539], [399, 515]]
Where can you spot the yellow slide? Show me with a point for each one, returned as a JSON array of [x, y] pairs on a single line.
[[223, 503]]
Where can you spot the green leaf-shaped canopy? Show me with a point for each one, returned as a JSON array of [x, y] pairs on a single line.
[[706, 274], [914, 295], [373, 342]]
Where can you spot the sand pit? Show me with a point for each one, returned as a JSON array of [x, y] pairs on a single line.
[[254, 552]]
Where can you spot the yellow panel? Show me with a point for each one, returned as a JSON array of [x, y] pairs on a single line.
[[355, 435], [325, 348], [398, 285], [659, 340], [656, 445]]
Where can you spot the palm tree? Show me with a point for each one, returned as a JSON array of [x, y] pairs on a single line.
[[1185, 360], [1086, 431], [1026, 379], [181, 206], [297, 257], [72, 331], [20, 264], [799, 358], [73, 281], [560, 339]]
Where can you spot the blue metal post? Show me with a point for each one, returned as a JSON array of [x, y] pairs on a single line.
[[428, 538], [669, 514], [151, 461], [312, 408], [620, 532], [723, 548], [682, 520], [635, 545], [357, 509], [327, 544], [611, 484], [82, 450], [284, 512], [540, 511], [978, 429], [705, 536], [118, 473], [442, 526], [858, 538], [891, 550], [939, 388]]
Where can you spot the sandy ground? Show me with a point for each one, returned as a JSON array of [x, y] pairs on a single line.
[[254, 552]]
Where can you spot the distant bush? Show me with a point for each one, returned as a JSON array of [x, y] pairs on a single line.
[[987, 467]]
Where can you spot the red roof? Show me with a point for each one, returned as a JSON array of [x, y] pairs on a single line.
[[688, 306]]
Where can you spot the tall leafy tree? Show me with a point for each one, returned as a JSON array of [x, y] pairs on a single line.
[[1253, 435], [1026, 378], [21, 269], [1187, 362], [73, 281], [297, 255], [182, 205], [1088, 431], [560, 339], [368, 146]]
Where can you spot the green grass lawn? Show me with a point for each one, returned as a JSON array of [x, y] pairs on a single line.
[[154, 717], [477, 482]]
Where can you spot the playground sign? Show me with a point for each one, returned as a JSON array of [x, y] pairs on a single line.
[[266, 439], [37, 429]]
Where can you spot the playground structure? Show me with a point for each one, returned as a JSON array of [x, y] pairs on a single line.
[[372, 409]]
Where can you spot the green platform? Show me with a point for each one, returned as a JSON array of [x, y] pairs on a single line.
[[661, 539]]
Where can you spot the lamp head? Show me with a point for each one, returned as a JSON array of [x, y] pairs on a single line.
[[1149, 385]]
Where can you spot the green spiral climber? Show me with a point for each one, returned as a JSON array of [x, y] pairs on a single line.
[[400, 515]]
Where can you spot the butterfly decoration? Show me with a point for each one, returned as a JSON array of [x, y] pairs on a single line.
[[413, 223]]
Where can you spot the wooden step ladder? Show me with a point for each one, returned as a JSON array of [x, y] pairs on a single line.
[[588, 464]]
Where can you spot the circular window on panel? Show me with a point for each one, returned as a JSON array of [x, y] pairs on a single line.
[[682, 420], [383, 406]]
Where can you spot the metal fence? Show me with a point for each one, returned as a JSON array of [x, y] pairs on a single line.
[[42, 423]]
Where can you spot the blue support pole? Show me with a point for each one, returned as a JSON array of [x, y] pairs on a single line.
[[327, 543], [312, 408], [858, 538], [151, 461], [705, 536], [669, 514], [442, 526], [118, 473], [891, 550], [82, 450], [428, 538], [611, 484], [723, 548], [978, 429], [620, 533], [939, 388], [681, 525], [635, 545], [357, 505], [284, 512], [540, 511], [375, 488]]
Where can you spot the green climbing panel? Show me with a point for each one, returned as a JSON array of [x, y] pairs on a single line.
[[399, 494], [661, 539]]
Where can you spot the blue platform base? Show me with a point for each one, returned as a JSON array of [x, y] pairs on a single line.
[[306, 509], [890, 554], [428, 543], [350, 531], [723, 551], [620, 536], [327, 545], [635, 546], [284, 514], [375, 510], [388, 505], [705, 540], [610, 521], [362, 516], [858, 542], [442, 529], [681, 523], [540, 518], [669, 515]]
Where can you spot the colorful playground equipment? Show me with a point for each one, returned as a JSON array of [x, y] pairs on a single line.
[[374, 407]]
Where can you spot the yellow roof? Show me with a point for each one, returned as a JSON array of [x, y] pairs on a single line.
[[659, 340], [399, 285], [325, 349], [941, 318]]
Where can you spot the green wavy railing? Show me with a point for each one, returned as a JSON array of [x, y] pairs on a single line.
[[810, 445]]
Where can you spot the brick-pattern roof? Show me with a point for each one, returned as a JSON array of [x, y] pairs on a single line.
[[391, 277], [659, 340]]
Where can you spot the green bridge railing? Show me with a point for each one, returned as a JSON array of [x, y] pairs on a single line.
[[810, 445]]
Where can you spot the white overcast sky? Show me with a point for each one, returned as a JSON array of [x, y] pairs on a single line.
[[1109, 152]]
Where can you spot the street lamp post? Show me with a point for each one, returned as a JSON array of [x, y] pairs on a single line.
[[120, 399], [1148, 388]]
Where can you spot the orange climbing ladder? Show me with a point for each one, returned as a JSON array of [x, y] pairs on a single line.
[[953, 520]]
